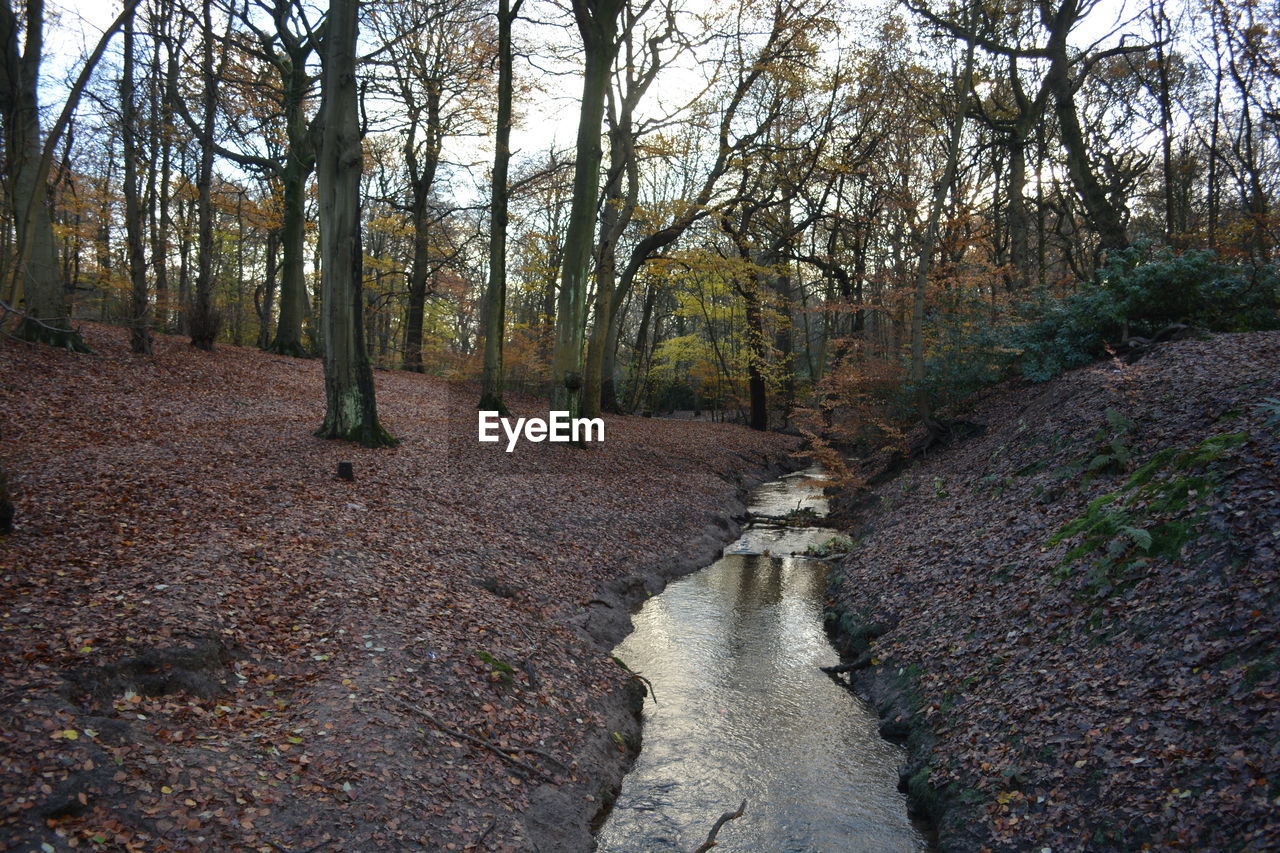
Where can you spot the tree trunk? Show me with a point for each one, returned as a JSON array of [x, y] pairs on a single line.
[[1105, 217], [609, 366], [422, 178], [614, 216], [959, 102], [495, 320], [184, 261], [1019, 220], [606, 276], [267, 305], [638, 74], [140, 310], [1212, 188], [237, 322], [299, 162], [293, 280], [642, 342], [102, 237], [597, 22], [168, 311], [351, 410], [203, 322], [783, 342], [1160, 20], [550, 291], [158, 179], [417, 302], [759, 419], [38, 282]]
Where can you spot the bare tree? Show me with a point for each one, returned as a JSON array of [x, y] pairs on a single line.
[[36, 279], [351, 410], [495, 307], [140, 310], [598, 25]]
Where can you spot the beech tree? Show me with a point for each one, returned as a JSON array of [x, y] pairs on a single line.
[[734, 135], [140, 321], [350, 406], [495, 305], [642, 57], [816, 213], [287, 47], [203, 319], [36, 280], [437, 62], [1063, 78], [597, 22], [959, 107]]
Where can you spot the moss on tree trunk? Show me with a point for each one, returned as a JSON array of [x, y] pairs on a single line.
[[351, 411]]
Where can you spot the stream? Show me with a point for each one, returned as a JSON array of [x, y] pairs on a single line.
[[742, 711]]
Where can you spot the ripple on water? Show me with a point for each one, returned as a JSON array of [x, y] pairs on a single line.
[[743, 712]]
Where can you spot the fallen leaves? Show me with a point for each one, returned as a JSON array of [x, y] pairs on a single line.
[[1137, 712], [176, 512]]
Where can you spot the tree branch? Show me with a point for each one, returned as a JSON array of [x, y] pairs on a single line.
[[715, 829]]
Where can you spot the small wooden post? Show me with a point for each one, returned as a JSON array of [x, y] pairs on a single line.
[[346, 472]]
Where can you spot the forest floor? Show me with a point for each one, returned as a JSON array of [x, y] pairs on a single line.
[[1072, 613], [208, 641]]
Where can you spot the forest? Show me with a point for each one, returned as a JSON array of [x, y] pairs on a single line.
[[771, 212]]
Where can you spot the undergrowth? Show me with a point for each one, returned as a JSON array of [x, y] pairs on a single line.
[[1153, 515]]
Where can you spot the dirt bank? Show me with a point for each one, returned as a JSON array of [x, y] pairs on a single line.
[[209, 641], [1070, 614]]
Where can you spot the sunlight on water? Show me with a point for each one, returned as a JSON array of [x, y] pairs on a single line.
[[801, 490], [743, 712]]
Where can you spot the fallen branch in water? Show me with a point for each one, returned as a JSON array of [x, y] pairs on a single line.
[[631, 673], [648, 685], [724, 818], [500, 751]]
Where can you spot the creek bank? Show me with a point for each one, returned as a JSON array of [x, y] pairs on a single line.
[[892, 690], [1068, 615], [265, 656], [564, 817]]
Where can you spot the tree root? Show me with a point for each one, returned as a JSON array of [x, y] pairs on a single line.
[[841, 668], [292, 349], [370, 435], [36, 331]]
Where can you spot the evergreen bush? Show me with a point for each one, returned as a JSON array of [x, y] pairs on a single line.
[[1139, 293]]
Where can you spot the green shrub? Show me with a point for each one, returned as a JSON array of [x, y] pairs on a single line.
[[834, 545], [1139, 293]]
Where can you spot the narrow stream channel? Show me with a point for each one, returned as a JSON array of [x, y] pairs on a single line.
[[743, 712]]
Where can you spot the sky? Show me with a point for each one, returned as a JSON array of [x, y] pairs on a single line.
[[548, 115]]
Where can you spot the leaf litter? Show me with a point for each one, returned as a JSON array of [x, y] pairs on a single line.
[[209, 641], [1085, 597]]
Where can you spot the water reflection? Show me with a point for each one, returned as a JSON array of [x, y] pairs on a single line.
[[777, 541], [743, 712], [799, 491]]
